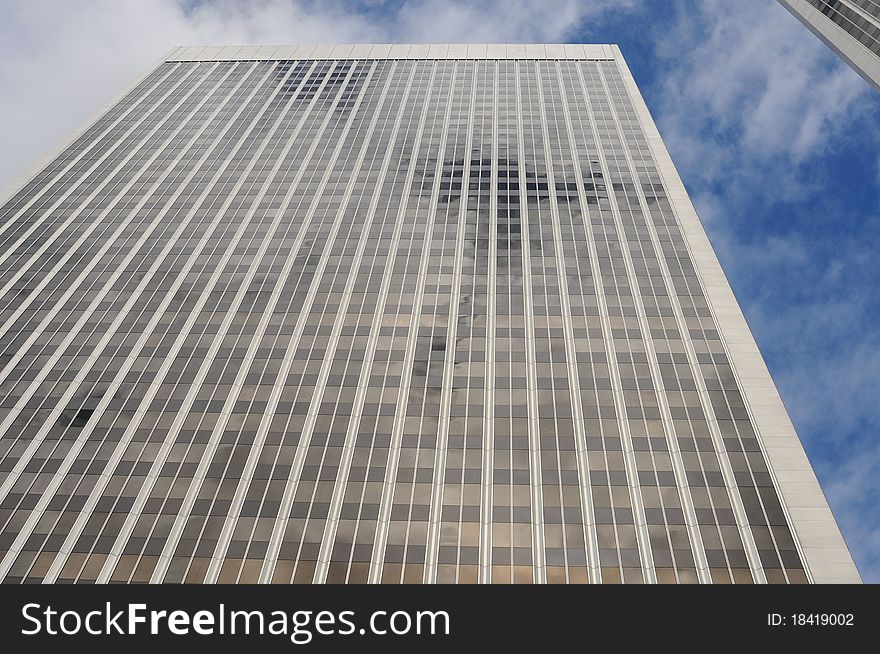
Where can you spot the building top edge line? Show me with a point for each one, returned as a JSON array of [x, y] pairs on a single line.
[[396, 51]]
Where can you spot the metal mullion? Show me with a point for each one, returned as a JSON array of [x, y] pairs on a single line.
[[596, 275], [570, 346], [121, 314], [52, 284], [632, 282], [37, 440], [694, 535], [875, 13], [253, 343], [100, 126], [333, 517], [279, 160], [717, 525], [84, 318], [433, 537], [58, 281], [510, 118], [89, 210], [382, 523], [302, 446], [488, 462], [205, 240], [437, 120], [256, 448], [452, 151], [8, 217], [644, 546], [34, 296], [271, 137], [862, 13], [160, 128], [247, 476], [539, 573], [466, 288], [335, 274], [721, 451], [135, 251], [751, 475]]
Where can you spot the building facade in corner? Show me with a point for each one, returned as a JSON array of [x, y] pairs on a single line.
[[849, 27]]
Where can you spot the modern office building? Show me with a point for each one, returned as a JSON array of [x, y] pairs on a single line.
[[849, 27], [398, 314]]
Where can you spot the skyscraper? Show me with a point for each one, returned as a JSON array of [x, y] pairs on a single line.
[[849, 27], [410, 313]]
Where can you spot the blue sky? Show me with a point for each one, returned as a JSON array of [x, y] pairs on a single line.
[[775, 138]]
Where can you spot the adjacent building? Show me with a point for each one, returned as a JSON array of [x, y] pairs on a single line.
[[385, 314], [849, 27]]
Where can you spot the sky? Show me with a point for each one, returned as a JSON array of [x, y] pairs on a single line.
[[777, 141]]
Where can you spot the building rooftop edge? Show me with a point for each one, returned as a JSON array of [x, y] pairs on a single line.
[[599, 51]]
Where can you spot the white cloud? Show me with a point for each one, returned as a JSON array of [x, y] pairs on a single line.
[[746, 81], [534, 21]]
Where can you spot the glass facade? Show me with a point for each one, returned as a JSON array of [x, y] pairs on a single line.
[[863, 26], [371, 320]]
